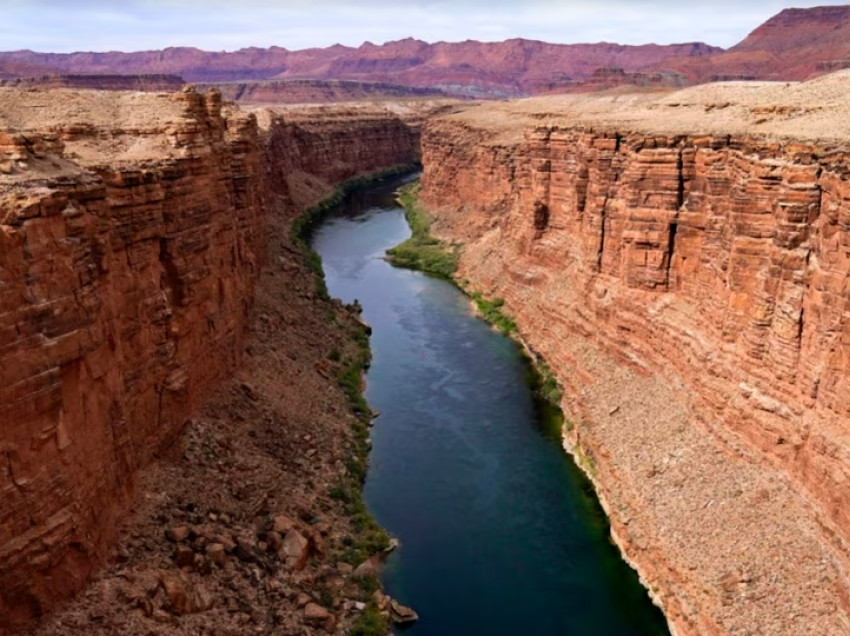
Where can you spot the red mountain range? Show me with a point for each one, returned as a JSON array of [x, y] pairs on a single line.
[[795, 44]]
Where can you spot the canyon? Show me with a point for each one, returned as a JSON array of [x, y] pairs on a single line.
[[170, 367], [134, 245], [679, 262]]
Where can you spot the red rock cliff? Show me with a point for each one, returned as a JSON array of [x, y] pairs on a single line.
[[131, 234], [689, 291], [311, 149], [125, 293]]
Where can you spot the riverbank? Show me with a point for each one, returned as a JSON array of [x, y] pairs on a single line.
[[465, 469], [425, 253]]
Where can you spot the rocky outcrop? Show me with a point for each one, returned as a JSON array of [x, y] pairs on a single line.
[[608, 78], [132, 231], [687, 289], [315, 91], [151, 83]]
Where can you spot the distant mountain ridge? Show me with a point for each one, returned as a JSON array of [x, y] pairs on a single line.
[[795, 44], [510, 68], [315, 91]]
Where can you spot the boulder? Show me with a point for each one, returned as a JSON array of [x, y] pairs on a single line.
[[296, 549], [274, 541], [282, 524], [401, 614], [369, 567], [316, 615], [177, 534], [184, 556], [185, 595], [303, 599], [217, 554]]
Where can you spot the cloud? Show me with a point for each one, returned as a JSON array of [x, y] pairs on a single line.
[[100, 25]]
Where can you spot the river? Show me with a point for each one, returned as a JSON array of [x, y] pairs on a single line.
[[500, 532]]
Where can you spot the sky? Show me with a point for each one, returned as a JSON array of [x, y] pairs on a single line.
[[217, 25]]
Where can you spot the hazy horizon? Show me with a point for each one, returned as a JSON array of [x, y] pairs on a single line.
[[53, 26]]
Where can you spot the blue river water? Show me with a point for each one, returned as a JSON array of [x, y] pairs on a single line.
[[500, 532]]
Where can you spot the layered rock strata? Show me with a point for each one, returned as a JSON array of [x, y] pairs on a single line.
[[495, 69], [126, 286], [683, 273], [150, 82], [310, 149], [315, 91], [132, 231]]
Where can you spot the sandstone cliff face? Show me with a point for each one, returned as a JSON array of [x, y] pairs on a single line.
[[689, 291], [132, 229], [125, 295], [311, 150]]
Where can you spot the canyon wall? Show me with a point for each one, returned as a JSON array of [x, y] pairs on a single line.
[[132, 231], [126, 288], [689, 291], [312, 149]]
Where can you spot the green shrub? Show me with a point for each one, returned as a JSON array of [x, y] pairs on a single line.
[[367, 536], [370, 622], [421, 251], [548, 387], [369, 584], [491, 311]]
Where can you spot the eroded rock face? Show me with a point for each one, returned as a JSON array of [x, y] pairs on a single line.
[[124, 296], [689, 293], [311, 150], [131, 234]]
